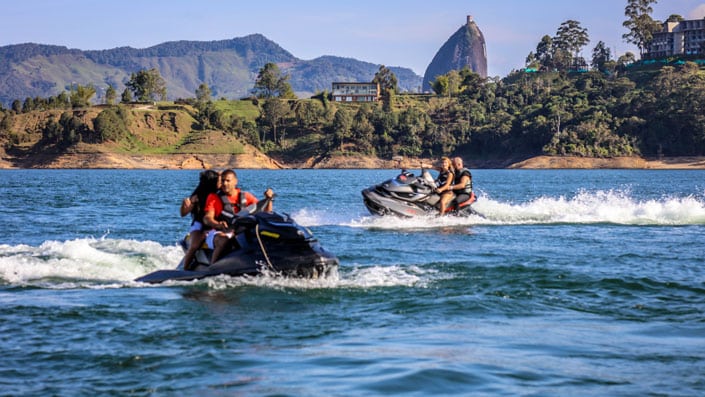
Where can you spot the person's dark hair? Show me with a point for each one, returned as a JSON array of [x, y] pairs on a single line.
[[207, 184]]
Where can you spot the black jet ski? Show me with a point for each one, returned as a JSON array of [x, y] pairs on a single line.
[[408, 195], [264, 242]]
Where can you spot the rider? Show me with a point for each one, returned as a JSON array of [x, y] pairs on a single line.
[[443, 183], [209, 182], [224, 205], [462, 183]]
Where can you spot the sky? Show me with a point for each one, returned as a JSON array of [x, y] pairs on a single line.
[[405, 33]]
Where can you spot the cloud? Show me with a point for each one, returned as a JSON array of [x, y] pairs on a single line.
[[697, 13]]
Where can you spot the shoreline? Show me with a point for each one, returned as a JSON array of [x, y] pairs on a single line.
[[259, 161]]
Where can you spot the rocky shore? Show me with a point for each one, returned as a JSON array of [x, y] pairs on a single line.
[[256, 160]]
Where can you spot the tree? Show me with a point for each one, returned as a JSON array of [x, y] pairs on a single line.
[[110, 95], [387, 81], [126, 96], [62, 100], [28, 105], [147, 85], [310, 114], [441, 85], [544, 53], [600, 56], [81, 97], [342, 124], [639, 23], [203, 93], [571, 38], [273, 113], [362, 130], [271, 83], [627, 59], [110, 125]]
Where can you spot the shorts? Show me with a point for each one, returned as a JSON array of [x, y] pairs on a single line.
[[462, 197], [210, 238], [196, 226]]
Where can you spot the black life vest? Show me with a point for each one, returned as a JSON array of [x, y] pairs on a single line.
[[229, 211], [443, 177], [468, 186]]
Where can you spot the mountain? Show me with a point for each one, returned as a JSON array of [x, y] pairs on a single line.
[[466, 47], [229, 67]]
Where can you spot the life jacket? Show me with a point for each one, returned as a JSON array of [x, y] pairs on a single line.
[[468, 186], [443, 177], [229, 211]]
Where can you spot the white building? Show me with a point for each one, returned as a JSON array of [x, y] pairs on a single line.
[[355, 92], [678, 38]]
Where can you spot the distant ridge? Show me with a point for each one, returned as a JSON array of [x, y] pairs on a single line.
[[466, 47], [229, 67]]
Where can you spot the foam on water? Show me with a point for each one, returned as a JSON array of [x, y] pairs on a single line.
[[83, 262], [354, 277], [112, 263], [616, 207]]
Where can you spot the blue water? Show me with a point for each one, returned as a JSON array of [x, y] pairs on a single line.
[[578, 283]]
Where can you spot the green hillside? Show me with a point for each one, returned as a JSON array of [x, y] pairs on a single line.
[[647, 110], [229, 67]]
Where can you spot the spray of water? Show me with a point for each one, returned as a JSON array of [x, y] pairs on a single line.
[[114, 263]]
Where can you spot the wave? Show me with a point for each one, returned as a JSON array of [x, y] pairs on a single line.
[[113, 263], [611, 207], [83, 262]]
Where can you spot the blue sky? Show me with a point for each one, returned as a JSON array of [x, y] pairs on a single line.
[[394, 33]]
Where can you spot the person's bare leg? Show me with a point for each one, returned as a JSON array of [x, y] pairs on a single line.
[[218, 246], [195, 242], [445, 199]]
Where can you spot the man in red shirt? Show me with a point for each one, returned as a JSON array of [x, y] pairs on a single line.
[[217, 211]]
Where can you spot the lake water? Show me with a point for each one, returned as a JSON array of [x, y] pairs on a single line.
[[579, 282]]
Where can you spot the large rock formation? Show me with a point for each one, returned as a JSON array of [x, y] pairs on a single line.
[[466, 47]]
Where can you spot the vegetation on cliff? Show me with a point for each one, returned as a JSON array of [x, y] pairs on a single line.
[[653, 109]]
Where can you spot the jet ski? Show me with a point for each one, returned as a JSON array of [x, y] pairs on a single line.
[[264, 242], [408, 195]]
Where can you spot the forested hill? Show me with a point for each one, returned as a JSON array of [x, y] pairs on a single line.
[[229, 67]]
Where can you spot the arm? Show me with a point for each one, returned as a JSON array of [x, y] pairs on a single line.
[[261, 204], [209, 220], [461, 185], [209, 217], [269, 196], [187, 205]]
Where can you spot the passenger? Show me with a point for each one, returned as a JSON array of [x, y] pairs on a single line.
[[462, 183], [209, 182], [443, 183], [224, 205]]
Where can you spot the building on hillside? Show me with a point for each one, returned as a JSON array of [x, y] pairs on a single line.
[[355, 92], [678, 38]]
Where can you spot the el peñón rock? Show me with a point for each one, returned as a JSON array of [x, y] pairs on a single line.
[[466, 47]]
